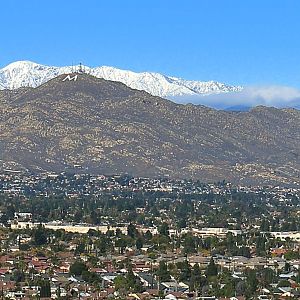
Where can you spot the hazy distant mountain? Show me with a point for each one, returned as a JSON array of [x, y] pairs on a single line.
[[98, 126], [26, 73], [238, 108]]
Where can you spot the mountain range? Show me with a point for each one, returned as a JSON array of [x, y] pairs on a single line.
[[29, 74], [80, 123]]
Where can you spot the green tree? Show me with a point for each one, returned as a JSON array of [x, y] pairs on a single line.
[[122, 242], [45, 289], [265, 225], [133, 282], [196, 272], [148, 235], [80, 248], [189, 245], [240, 288], [77, 268], [211, 269], [185, 271], [261, 246], [284, 283], [287, 267], [164, 229], [163, 272], [121, 284], [132, 231], [40, 236], [266, 277], [18, 276], [139, 243], [252, 282], [229, 289], [298, 277]]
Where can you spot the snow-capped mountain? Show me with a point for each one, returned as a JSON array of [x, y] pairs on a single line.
[[26, 73]]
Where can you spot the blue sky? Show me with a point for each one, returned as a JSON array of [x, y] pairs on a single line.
[[247, 42]]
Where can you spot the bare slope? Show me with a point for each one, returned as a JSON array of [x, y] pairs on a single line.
[[98, 126]]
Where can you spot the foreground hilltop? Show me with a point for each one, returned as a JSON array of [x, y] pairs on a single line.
[[99, 126]]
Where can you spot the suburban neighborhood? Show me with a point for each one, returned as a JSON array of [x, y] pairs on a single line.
[[69, 236]]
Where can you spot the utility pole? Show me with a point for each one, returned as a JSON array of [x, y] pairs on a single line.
[[151, 274]]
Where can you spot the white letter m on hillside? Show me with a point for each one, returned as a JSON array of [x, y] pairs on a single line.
[[71, 78]]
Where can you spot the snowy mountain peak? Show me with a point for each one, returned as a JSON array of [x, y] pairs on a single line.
[[20, 64], [27, 73]]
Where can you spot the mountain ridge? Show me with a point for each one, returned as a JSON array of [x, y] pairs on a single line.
[[92, 125], [27, 73]]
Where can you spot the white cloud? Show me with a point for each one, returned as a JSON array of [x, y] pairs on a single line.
[[273, 93], [277, 96]]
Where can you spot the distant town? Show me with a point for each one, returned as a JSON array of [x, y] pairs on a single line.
[[81, 236]]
